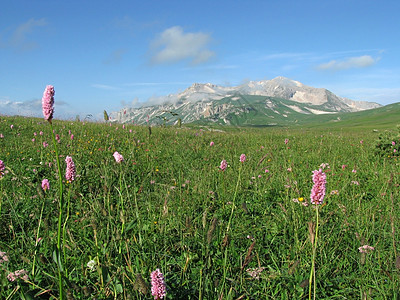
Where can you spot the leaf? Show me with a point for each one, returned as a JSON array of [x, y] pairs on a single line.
[[57, 259]]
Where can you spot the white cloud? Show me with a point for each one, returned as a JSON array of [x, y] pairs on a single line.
[[349, 63], [174, 45], [19, 37], [115, 57], [104, 87], [33, 108]]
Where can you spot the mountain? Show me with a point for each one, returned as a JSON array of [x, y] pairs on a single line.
[[268, 102]]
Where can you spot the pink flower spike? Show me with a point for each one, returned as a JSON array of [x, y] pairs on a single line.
[[70, 172], [242, 158], [48, 103], [223, 165], [318, 190], [118, 157], [158, 287], [45, 184], [2, 168]]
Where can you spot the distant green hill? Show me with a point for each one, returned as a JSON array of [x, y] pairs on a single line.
[[262, 111]]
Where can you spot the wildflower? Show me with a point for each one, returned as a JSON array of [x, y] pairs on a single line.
[[325, 166], [223, 165], [318, 190], [45, 184], [355, 182], [48, 103], [11, 126], [118, 157], [361, 142], [91, 265], [2, 168], [366, 249], [344, 167], [3, 257], [334, 192], [393, 143], [289, 169], [158, 287], [286, 141], [1, 136], [22, 274], [72, 136], [242, 158], [41, 132], [255, 272], [354, 171], [70, 171], [211, 143], [45, 144]]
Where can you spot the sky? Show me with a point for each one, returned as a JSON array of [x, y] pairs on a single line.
[[108, 55]]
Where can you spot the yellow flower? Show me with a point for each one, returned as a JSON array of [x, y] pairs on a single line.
[[301, 199]]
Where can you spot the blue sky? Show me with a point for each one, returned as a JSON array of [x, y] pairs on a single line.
[[107, 55]]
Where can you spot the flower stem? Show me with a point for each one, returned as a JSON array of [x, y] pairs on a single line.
[[312, 272], [60, 279]]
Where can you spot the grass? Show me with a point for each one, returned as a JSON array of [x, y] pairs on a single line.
[[242, 233]]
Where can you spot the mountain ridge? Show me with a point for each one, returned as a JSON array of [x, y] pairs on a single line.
[[207, 102]]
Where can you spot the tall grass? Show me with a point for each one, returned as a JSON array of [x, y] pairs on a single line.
[[242, 233]]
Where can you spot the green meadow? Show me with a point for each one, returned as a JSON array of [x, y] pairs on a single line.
[[246, 232]]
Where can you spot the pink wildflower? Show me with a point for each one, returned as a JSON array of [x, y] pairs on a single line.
[[45, 144], [70, 171], [158, 287], [72, 136], [318, 190], [366, 249], [11, 126], [2, 168], [1, 135], [393, 143], [118, 157], [45, 184], [266, 171], [41, 132], [286, 141], [354, 171], [211, 143], [344, 167], [3, 257], [223, 165], [48, 103], [22, 274], [242, 158]]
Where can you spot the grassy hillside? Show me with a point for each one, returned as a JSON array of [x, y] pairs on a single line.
[[248, 231]]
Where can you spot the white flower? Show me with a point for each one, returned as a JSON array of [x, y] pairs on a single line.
[[91, 265]]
